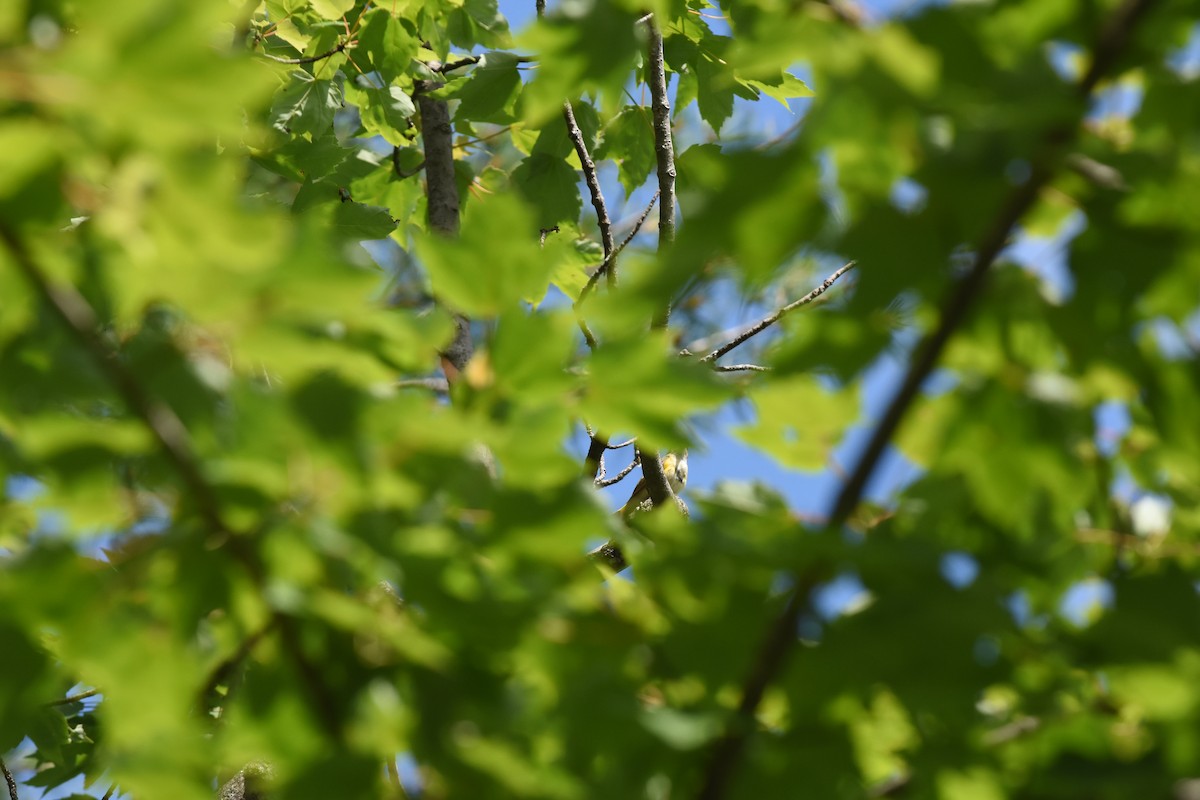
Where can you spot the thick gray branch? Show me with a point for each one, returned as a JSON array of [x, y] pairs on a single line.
[[441, 192]]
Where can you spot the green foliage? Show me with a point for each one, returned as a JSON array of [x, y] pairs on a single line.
[[228, 510]]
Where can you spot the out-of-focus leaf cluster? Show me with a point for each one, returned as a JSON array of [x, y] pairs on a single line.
[[411, 571]]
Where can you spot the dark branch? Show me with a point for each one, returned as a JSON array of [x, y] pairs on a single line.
[[398, 170], [603, 268], [438, 385], [453, 65], [771, 319], [726, 752], [9, 780], [741, 368], [220, 674], [609, 554], [664, 151], [307, 59], [75, 698], [442, 194], [603, 483], [593, 184], [656, 478]]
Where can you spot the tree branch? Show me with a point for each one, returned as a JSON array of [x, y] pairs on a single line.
[[726, 753], [604, 483], [609, 554], [740, 368], [442, 194], [664, 151], [10, 781], [75, 698], [603, 268], [227, 665], [307, 59], [771, 319], [593, 184]]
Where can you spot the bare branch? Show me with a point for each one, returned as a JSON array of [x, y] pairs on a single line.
[[741, 368], [656, 478], [10, 781], [609, 554], [625, 443], [603, 268], [781, 637], [1094, 172], [75, 698], [307, 59], [593, 184], [398, 170], [442, 195], [225, 668], [439, 385], [603, 483], [771, 319], [394, 778], [453, 65], [664, 151]]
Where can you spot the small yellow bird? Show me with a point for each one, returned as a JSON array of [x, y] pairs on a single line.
[[676, 468]]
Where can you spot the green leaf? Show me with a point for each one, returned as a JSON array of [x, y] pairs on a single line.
[[490, 93], [332, 9], [551, 188], [799, 440], [387, 45], [788, 87], [629, 140], [387, 112], [514, 269], [584, 47], [307, 104], [639, 385]]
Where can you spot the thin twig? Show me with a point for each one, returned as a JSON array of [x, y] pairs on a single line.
[[453, 65], [625, 443], [603, 268], [593, 184], [439, 385], [398, 170], [740, 368], [222, 671], [112, 790], [8, 779], [771, 319], [726, 753], [394, 777], [307, 59], [620, 476], [75, 698]]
